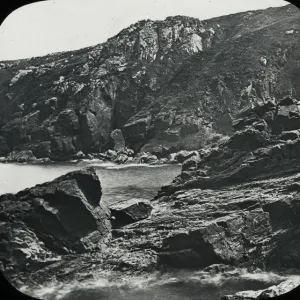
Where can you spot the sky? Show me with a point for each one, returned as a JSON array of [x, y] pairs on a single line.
[[60, 25]]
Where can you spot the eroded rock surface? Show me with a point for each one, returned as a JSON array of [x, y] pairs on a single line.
[[129, 212], [61, 217], [167, 85], [273, 291]]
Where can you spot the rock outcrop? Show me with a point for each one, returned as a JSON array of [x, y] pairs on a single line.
[[271, 292], [166, 85], [61, 217], [129, 212]]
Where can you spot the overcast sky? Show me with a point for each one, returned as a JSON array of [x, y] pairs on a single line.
[[52, 26]]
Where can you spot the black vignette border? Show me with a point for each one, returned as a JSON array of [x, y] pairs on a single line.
[[7, 7]]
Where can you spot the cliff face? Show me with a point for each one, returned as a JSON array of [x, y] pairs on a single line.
[[171, 84]]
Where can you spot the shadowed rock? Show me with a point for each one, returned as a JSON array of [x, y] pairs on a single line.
[[60, 217], [129, 212]]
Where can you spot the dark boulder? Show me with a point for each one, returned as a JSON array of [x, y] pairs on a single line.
[[191, 163], [62, 147], [286, 101], [42, 149], [183, 155], [289, 135], [129, 212], [248, 139], [59, 217], [135, 131]]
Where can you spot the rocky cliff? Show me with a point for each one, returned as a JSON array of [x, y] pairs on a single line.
[[167, 85]]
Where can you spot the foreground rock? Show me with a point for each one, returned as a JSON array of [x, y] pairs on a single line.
[[64, 216], [273, 291]]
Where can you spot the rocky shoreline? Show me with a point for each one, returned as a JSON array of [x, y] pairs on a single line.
[[219, 97], [121, 157], [235, 206]]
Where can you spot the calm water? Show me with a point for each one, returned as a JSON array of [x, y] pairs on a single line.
[[121, 183], [118, 182]]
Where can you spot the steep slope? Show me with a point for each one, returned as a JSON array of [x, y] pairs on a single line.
[[170, 83]]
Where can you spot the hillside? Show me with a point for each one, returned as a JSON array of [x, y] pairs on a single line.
[[168, 85]]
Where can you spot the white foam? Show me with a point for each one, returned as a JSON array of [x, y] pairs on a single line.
[[101, 280]]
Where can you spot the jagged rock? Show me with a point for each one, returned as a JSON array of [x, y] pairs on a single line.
[[129, 160], [219, 268], [183, 155], [290, 135], [121, 158], [129, 212], [191, 163], [163, 161], [249, 138], [90, 156], [126, 151], [149, 159], [171, 158], [55, 218], [79, 155], [112, 154], [273, 291], [119, 142], [160, 93], [21, 156], [156, 149], [136, 131]]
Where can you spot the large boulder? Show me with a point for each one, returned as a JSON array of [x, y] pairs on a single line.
[[183, 155], [121, 159], [191, 163], [135, 131], [118, 139], [248, 139], [128, 212], [60, 217]]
